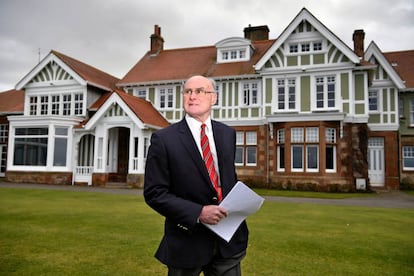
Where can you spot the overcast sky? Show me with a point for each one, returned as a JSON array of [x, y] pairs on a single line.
[[113, 35]]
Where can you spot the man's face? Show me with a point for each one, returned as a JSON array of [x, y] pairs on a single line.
[[198, 98]]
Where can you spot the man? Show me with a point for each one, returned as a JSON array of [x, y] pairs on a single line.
[[179, 186]]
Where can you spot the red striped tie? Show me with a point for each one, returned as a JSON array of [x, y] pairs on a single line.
[[208, 159]]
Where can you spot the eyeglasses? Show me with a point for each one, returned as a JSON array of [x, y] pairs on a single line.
[[196, 91]]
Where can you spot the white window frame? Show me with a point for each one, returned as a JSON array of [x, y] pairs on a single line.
[[164, 94], [326, 85], [286, 85], [407, 152], [248, 96]]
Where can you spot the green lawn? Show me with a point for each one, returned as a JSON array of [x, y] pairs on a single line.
[[45, 232]]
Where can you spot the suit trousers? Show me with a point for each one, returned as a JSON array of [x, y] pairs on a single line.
[[217, 267]]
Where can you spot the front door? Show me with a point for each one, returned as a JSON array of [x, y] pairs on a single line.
[[2, 160], [376, 168]]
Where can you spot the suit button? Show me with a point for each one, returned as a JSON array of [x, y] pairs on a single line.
[[214, 198]]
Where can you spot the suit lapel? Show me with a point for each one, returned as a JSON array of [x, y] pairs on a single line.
[[187, 140]]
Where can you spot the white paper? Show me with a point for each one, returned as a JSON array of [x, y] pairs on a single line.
[[239, 203]]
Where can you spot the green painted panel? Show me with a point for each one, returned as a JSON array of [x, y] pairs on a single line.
[[346, 107], [268, 64], [305, 92], [318, 59], [393, 118], [151, 95], [178, 97], [374, 119], [269, 85], [385, 117], [216, 113], [345, 86], [236, 88], [384, 100], [359, 109], [231, 113], [169, 115], [177, 114], [268, 110], [392, 99], [244, 112], [359, 87], [292, 61], [223, 95], [223, 113], [344, 59], [305, 60], [255, 112]]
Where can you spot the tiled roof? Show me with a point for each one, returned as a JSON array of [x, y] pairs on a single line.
[[92, 75], [403, 63], [180, 64], [144, 110], [12, 101]]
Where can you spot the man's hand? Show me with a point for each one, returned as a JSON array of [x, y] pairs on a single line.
[[212, 214]]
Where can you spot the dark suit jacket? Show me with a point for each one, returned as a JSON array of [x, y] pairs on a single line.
[[177, 186]]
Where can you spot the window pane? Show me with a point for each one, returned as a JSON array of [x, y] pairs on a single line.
[[297, 135], [297, 157], [330, 155], [251, 138], [239, 155], [312, 157], [60, 152], [239, 137], [30, 151], [281, 158], [251, 155]]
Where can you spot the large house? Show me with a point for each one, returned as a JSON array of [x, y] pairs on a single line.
[[310, 112]]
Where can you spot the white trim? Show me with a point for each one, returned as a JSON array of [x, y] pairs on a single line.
[[304, 14]]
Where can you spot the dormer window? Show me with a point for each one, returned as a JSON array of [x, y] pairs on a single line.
[[234, 50]]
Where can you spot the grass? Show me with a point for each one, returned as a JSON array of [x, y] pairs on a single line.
[[48, 232]]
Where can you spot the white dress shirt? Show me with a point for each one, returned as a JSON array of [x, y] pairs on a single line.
[[195, 127]]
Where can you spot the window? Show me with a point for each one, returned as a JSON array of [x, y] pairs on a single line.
[[297, 149], [4, 133], [281, 149], [67, 98], [78, 104], [293, 48], [33, 105], [330, 150], [246, 148], [312, 148], [286, 90], [305, 149], [373, 100], [141, 93], [225, 55], [61, 145], [233, 54], [408, 157], [305, 47], [30, 146], [317, 46], [325, 92], [412, 111], [242, 54], [55, 104], [166, 97], [44, 102], [250, 94]]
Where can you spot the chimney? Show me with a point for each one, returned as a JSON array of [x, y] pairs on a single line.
[[157, 42], [358, 38], [256, 33]]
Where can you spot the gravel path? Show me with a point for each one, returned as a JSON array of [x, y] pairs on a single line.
[[390, 199]]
